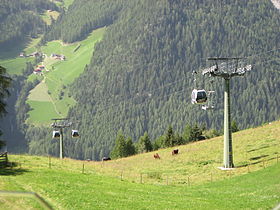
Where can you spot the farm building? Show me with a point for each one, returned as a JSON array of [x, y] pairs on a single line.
[[58, 57], [37, 71], [41, 67], [34, 54], [22, 55]]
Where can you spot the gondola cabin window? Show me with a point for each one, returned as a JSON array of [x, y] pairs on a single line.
[[199, 96], [75, 133], [56, 134]]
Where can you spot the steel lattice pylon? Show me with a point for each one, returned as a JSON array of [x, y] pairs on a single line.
[[229, 68]]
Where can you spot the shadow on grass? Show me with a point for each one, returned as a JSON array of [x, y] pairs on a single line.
[[12, 49], [12, 170], [245, 164], [258, 157], [263, 147]]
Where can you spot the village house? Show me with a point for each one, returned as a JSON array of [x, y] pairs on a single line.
[[58, 57], [22, 55], [42, 67], [37, 71], [34, 54]]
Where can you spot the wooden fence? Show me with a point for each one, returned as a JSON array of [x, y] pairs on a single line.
[[3, 159]]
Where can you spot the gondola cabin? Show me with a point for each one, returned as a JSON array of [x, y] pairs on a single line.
[[56, 134], [199, 96], [75, 133]]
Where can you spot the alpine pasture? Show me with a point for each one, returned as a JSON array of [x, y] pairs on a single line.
[[189, 180], [57, 75]]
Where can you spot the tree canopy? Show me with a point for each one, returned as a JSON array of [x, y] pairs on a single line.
[[5, 83], [139, 79]]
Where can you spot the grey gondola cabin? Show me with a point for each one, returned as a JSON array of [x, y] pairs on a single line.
[[199, 96], [56, 134], [75, 133]]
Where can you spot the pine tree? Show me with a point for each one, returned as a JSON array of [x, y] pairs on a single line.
[[5, 83], [2, 143], [119, 149], [196, 132], [234, 127], [129, 147], [144, 144], [187, 133], [169, 139]]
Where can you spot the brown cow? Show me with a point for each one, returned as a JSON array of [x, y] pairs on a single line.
[[175, 152], [156, 156]]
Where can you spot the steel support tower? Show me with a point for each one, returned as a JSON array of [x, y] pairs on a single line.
[[227, 69], [60, 123]]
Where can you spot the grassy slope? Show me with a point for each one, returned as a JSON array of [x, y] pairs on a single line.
[[64, 3], [48, 15], [199, 161], [64, 74], [60, 74], [100, 187], [10, 57]]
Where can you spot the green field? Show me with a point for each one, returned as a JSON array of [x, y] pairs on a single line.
[[48, 15], [253, 149], [73, 184], [58, 75], [44, 109], [40, 93], [16, 65], [9, 58], [64, 3]]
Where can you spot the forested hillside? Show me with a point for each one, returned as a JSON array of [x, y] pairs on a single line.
[[83, 17], [21, 22], [21, 18], [140, 76]]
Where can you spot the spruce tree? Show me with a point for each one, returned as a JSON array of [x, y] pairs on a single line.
[[5, 83], [234, 127], [144, 144], [169, 139], [120, 146], [187, 133], [129, 147]]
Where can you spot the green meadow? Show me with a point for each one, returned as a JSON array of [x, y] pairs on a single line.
[[10, 57], [71, 184], [58, 74], [48, 15], [44, 109], [198, 162], [64, 3]]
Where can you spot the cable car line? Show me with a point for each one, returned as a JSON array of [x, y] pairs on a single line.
[[148, 92], [130, 100], [185, 73], [145, 94]]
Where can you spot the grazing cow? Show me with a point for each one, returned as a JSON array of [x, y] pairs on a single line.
[[175, 152], [156, 156], [106, 158]]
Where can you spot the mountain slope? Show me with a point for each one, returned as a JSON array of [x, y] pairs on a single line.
[[140, 75], [189, 180], [58, 75], [20, 19], [253, 149]]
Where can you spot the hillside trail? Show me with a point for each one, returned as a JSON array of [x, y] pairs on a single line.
[[51, 99], [276, 3]]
